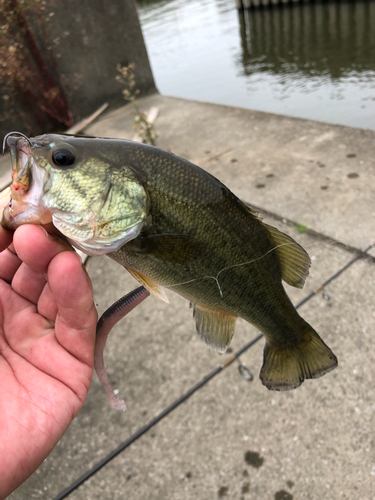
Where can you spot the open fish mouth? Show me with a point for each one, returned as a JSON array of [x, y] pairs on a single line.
[[27, 185], [20, 148]]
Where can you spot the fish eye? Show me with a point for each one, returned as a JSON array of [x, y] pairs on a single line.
[[63, 157]]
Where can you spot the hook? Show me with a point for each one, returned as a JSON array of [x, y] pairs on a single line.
[[15, 133]]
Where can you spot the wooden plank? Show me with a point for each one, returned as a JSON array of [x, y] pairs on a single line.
[[78, 127]]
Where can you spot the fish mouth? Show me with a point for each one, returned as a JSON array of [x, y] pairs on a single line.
[[20, 149], [27, 185]]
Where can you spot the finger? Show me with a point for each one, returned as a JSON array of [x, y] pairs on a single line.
[[36, 247], [47, 305], [28, 283], [6, 236], [77, 317], [9, 263]]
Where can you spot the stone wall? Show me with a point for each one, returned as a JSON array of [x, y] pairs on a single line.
[[88, 39]]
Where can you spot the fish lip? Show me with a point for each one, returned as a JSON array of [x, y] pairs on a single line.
[[28, 180], [20, 152], [21, 213]]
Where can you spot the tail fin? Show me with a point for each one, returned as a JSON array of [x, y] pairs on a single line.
[[286, 368]]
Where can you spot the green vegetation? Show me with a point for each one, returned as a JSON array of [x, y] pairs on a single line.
[[301, 228], [143, 127]]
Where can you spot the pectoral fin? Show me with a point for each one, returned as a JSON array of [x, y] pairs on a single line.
[[294, 260], [177, 248], [214, 327], [149, 284]]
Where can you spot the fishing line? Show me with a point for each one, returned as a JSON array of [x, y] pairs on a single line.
[[63, 494], [230, 267]]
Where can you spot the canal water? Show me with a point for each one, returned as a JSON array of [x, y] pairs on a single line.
[[312, 60]]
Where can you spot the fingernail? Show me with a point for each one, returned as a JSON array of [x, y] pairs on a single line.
[[49, 235], [45, 232], [54, 237]]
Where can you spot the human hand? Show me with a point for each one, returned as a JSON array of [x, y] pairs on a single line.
[[47, 337]]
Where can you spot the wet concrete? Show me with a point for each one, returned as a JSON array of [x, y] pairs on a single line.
[[235, 439]]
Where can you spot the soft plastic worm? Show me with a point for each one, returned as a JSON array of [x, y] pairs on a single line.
[[105, 324]]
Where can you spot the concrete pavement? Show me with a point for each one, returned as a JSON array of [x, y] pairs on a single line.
[[235, 439]]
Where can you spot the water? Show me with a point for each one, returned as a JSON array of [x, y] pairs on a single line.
[[315, 60]]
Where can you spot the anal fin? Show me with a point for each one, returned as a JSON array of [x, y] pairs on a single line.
[[216, 328], [149, 284]]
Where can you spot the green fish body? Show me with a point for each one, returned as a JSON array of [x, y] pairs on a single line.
[[173, 225]]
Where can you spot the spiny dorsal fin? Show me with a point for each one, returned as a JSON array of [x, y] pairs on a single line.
[[295, 262], [150, 285], [214, 327]]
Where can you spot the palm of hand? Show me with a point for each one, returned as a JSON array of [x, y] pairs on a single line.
[[47, 335]]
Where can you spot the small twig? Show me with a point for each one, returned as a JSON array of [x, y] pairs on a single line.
[[78, 127], [212, 157]]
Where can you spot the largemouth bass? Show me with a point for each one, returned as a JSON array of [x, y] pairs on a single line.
[[173, 225]]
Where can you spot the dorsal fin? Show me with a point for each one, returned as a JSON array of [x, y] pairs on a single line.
[[214, 327], [149, 284], [294, 260]]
